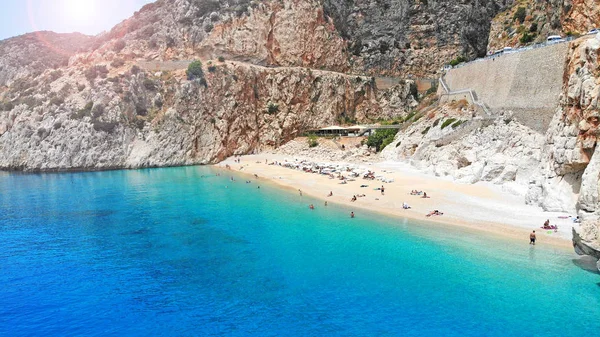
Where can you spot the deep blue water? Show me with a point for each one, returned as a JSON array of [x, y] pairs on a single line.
[[182, 252]]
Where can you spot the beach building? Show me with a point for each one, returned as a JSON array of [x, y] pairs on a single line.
[[334, 130]]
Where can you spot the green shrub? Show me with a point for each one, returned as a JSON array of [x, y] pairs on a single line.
[[86, 111], [104, 126], [194, 70], [149, 84], [448, 122], [520, 15], [534, 27], [135, 69], [92, 72], [56, 101], [417, 117], [221, 59], [54, 75], [458, 60], [312, 141], [424, 132], [526, 38], [97, 110], [117, 62], [6, 106], [272, 108], [119, 45], [457, 124], [437, 121], [409, 116], [381, 138], [212, 69], [432, 90]]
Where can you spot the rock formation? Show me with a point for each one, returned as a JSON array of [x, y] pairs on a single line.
[[100, 110], [533, 21], [120, 116], [570, 167], [31, 54]]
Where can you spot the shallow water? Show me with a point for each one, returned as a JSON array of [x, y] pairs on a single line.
[[182, 252]]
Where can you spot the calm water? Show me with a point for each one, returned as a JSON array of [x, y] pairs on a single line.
[[173, 252]]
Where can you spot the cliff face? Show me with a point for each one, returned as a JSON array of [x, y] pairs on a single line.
[[102, 111], [383, 37], [131, 119], [31, 54], [412, 37], [533, 21], [570, 171]]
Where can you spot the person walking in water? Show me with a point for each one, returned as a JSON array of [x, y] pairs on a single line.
[[352, 214], [532, 238]]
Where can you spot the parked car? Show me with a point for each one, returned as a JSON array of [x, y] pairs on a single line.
[[555, 39], [594, 31]]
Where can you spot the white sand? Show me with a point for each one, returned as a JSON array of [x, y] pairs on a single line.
[[482, 206]]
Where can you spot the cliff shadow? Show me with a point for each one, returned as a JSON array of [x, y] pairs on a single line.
[[588, 264]]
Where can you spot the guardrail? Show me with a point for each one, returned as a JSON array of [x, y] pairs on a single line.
[[520, 50]]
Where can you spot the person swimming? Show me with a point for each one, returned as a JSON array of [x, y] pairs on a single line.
[[311, 206]]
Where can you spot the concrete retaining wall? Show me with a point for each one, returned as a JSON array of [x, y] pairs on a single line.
[[527, 83]]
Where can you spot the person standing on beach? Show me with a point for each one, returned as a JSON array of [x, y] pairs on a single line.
[[382, 189], [532, 238]]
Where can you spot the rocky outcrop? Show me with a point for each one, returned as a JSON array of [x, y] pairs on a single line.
[[411, 37], [533, 21], [449, 141], [131, 119], [31, 54], [383, 37]]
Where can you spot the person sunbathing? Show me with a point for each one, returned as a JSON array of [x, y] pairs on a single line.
[[330, 194], [425, 195], [353, 198], [405, 205], [435, 212]]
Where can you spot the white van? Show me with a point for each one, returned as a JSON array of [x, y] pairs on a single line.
[[555, 39]]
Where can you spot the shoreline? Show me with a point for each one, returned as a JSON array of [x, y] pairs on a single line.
[[475, 207]]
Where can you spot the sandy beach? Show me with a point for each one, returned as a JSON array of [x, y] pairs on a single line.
[[481, 207]]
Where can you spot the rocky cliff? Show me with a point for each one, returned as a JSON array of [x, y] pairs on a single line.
[[454, 140], [390, 37], [31, 54], [100, 110], [570, 168], [533, 21], [114, 116]]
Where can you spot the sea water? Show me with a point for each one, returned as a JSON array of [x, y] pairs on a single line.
[[184, 252]]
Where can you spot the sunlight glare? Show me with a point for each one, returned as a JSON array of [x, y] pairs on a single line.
[[79, 10]]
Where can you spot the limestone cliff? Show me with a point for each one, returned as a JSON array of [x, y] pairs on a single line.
[[455, 141], [533, 21], [412, 37], [122, 117], [100, 110], [570, 168], [31, 54], [383, 37]]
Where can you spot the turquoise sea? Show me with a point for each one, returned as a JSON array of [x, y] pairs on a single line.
[[183, 252]]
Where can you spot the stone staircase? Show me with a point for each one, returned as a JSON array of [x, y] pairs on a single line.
[[470, 94]]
